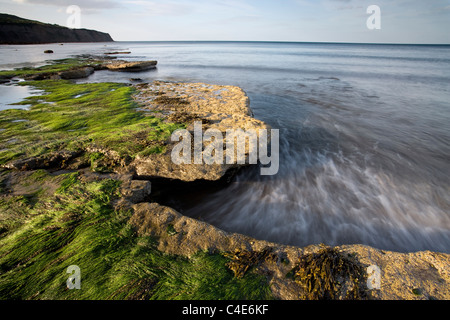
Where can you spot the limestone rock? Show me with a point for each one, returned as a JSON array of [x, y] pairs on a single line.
[[413, 276], [130, 66], [423, 275], [190, 236], [135, 191], [216, 107], [77, 73]]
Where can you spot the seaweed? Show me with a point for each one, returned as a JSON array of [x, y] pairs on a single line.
[[80, 225], [242, 261], [331, 275], [171, 230], [170, 101], [103, 118]]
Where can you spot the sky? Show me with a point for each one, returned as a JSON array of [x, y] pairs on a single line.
[[400, 21]]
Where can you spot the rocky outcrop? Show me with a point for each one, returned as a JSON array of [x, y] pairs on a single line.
[[117, 52], [223, 108], [74, 73], [216, 107], [77, 73], [413, 276], [89, 68], [130, 66], [15, 30]]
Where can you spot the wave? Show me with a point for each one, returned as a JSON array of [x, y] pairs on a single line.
[[326, 198]]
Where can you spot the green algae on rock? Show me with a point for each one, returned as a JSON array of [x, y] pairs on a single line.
[[53, 68], [83, 217], [129, 126], [80, 225], [81, 118]]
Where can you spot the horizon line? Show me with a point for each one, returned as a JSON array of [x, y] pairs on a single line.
[[295, 42]]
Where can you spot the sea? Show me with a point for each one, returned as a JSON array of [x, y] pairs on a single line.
[[364, 135]]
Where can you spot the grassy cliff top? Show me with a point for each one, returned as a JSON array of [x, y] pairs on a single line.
[[12, 32], [11, 19]]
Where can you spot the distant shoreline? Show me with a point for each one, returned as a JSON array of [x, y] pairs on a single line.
[[16, 30], [236, 42], [282, 42]]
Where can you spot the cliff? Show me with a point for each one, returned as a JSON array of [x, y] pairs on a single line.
[[16, 30]]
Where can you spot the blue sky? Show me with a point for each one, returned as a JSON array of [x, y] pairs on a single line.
[[402, 21]]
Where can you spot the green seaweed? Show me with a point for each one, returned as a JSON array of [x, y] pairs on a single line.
[[43, 233], [68, 182], [103, 116], [79, 226], [52, 67]]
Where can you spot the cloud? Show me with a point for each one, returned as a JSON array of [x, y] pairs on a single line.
[[83, 4], [160, 8], [240, 6]]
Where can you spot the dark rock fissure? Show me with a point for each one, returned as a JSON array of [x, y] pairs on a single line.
[[183, 195]]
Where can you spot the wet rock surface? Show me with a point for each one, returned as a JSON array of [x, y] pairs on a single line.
[[313, 272], [215, 107], [92, 64], [77, 73], [130, 66]]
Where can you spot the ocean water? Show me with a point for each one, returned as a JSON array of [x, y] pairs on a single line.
[[364, 136]]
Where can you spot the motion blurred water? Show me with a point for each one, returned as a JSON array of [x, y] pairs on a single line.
[[365, 137]]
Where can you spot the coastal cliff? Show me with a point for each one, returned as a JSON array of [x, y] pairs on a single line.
[[16, 30]]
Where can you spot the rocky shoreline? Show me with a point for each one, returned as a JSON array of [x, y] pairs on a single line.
[[313, 272]]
